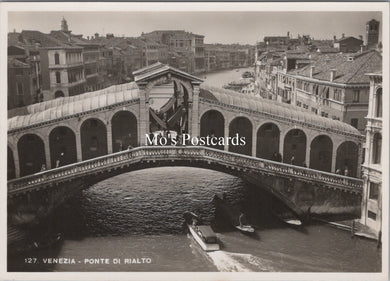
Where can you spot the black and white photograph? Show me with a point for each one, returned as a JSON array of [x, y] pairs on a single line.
[[195, 140]]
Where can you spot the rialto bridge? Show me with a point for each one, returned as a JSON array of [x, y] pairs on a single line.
[[80, 137]]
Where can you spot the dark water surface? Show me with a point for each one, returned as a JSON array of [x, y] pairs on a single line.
[[139, 215]]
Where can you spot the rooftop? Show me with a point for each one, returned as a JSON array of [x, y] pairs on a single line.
[[350, 68], [67, 106]]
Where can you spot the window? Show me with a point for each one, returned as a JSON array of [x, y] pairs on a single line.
[[299, 103], [19, 86], [374, 191], [56, 58], [376, 148], [337, 94], [356, 96], [371, 215], [354, 122], [315, 110], [58, 77], [378, 103]]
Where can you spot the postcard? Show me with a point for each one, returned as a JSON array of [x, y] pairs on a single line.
[[195, 141]]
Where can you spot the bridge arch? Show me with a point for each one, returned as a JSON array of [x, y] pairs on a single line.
[[11, 173], [242, 126], [268, 138], [93, 133], [321, 149], [124, 128], [347, 158], [212, 123], [63, 148], [294, 147], [31, 151]]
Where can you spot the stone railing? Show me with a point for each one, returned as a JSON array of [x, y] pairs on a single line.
[[172, 153]]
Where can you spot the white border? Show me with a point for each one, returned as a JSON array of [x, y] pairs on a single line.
[[194, 6]]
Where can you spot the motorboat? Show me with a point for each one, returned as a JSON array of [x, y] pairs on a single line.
[[234, 216], [289, 218], [203, 234]]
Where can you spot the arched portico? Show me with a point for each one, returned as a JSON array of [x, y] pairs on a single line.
[[321, 153], [31, 150], [63, 150], [212, 123], [184, 110], [11, 173], [294, 150], [124, 131], [93, 138], [347, 158], [241, 127], [268, 137]]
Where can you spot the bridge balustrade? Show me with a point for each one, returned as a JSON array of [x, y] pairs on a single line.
[[191, 153]]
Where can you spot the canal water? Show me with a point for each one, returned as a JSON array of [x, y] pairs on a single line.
[[221, 78], [138, 217]]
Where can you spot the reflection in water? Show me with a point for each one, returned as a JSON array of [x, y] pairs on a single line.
[[139, 215]]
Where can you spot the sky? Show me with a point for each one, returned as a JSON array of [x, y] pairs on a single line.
[[217, 27]]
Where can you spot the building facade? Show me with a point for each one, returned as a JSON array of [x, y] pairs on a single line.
[[371, 215], [62, 72], [331, 85], [182, 43]]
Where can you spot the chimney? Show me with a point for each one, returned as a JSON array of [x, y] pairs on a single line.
[[343, 35], [96, 35], [312, 69], [334, 38], [332, 74], [288, 33]]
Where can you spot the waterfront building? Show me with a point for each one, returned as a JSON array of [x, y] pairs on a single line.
[[225, 56], [90, 55], [24, 75], [182, 43], [62, 71], [348, 44], [371, 216], [58, 66], [331, 85]]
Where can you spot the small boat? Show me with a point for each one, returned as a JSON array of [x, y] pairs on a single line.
[[203, 234], [288, 218], [232, 214]]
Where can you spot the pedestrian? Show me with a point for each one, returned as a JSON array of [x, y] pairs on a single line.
[[57, 163], [338, 171], [240, 218], [292, 162]]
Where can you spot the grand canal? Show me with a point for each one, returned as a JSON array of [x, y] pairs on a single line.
[[138, 215]]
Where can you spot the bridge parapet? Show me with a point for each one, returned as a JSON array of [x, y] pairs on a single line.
[[230, 160]]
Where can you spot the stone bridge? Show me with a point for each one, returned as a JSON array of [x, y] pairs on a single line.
[[66, 132], [298, 187]]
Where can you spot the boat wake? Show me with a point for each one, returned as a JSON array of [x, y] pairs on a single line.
[[235, 262]]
